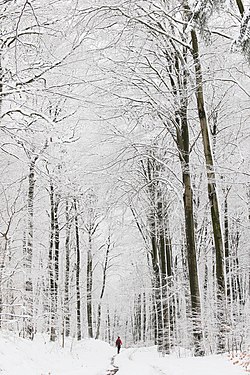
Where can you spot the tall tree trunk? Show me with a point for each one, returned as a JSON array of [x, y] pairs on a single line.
[[212, 193], [56, 258], [158, 255], [108, 326], [78, 266], [89, 285], [29, 250], [144, 317], [211, 178], [67, 269], [226, 243], [3, 249], [164, 274], [168, 254], [240, 6], [57, 245], [179, 87], [156, 285], [51, 265], [137, 318], [53, 259], [1, 77], [3, 253], [104, 278], [183, 140]]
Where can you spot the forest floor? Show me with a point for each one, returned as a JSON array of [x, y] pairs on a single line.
[[114, 369], [147, 361], [94, 357]]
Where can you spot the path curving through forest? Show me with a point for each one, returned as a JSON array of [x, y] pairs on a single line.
[[115, 369]]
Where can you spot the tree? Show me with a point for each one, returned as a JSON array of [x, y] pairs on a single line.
[[105, 269]]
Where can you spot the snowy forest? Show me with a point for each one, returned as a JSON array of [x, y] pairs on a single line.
[[125, 172]]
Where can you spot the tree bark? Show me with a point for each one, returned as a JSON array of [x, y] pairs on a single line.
[[144, 317], [179, 87], [53, 259], [108, 326], [29, 250], [78, 265], [183, 140], [3, 253], [1, 78], [226, 244], [211, 178], [158, 257], [89, 286], [104, 278], [212, 191], [52, 280], [240, 6], [67, 269]]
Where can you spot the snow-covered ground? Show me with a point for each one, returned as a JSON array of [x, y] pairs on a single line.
[[40, 357], [93, 357], [147, 361]]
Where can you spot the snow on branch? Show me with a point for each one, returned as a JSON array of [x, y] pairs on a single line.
[[243, 40], [202, 11]]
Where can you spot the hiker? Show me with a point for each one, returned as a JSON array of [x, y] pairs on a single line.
[[118, 344]]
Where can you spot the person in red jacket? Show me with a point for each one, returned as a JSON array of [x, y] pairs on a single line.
[[118, 344]]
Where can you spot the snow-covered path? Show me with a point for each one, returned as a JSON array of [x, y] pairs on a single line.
[[147, 361], [114, 369], [94, 357]]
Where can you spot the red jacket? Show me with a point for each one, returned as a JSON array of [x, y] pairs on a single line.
[[118, 342]]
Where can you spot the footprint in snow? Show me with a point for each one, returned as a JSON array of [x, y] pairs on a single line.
[[114, 370]]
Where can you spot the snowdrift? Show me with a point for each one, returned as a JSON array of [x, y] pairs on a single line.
[[147, 361], [93, 357], [41, 357]]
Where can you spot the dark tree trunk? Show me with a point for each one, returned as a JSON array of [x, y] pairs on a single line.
[[53, 260], [159, 257], [211, 178], [57, 245], [78, 266], [3, 249], [104, 278], [144, 317], [67, 269], [51, 265], [163, 250], [138, 321], [157, 289], [3, 253], [179, 87], [89, 286], [1, 80], [212, 193], [29, 249], [108, 326], [240, 6], [183, 140], [226, 243]]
